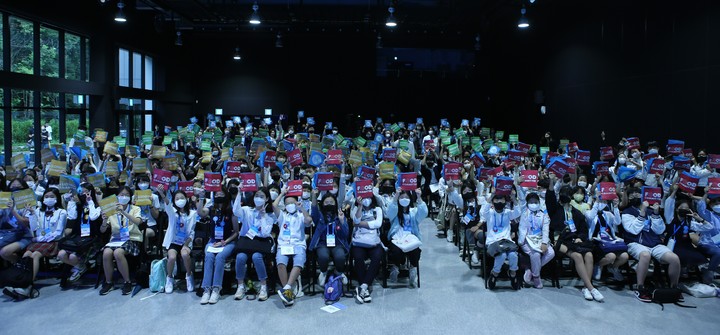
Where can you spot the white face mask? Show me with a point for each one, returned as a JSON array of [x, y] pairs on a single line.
[[273, 195], [197, 190], [366, 202], [143, 186], [306, 195], [123, 200], [636, 155], [31, 185], [191, 157], [259, 201], [50, 202], [622, 160], [716, 209], [533, 207], [173, 179], [653, 151], [582, 184], [334, 132], [181, 203], [291, 208], [430, 132], [286, 176], [404, 202], [334, 191]]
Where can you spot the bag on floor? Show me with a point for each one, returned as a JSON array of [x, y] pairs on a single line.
[[662, 296], [158, 275], [19, 275], [333, 289], [699, 290]]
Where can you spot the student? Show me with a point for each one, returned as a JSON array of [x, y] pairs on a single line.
[[367, 217], [579, 195], [149, 213], [710, 211], [125, 240], [470, 218], [405, 217], [291, 243], [497, 219], [330, 237], [224, 233], [16, 218], [84, 225], [677, 232], [534, 239], [179, 236], [257, 223], [603, 220]]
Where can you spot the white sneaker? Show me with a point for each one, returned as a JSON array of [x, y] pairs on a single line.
[[475, 259], [169, 284], [205, 297], [449, 235], [365, 293], [263, 295], [617, 274], [214, 296], [240, 293], [527, 277], [190, 283], [321, 278], [587, 294], [597, 272], [25, 292], [344, 279], [394, 272], [596, 295], [412, 277]]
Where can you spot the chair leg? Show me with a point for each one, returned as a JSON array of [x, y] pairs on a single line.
[[418, 274]]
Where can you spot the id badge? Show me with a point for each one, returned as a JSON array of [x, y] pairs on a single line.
[[180, 237], [46, 231], [537, 230], [252, 232], [571, 225], [84, 229], [716, 239], [219, 233], [287, 250], [124, 234], [671, 244], [467, 218], [330, 240]]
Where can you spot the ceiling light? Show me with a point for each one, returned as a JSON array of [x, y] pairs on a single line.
[[278, 40], [255, 17], [379, 43], [178, 40], [236, 55], [391, 22], [120, 16], [523, 23]]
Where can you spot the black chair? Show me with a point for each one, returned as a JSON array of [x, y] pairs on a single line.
[[134, 262]]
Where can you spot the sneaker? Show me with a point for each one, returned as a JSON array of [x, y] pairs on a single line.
[[23, 292], [491, 281], [106, 288], [440, 225], [474, 259], [597, 272], [169, 284], [190, 283], [412, 277], [537, 282], [449, 237], [214, 296], [596, 295], [205, 297], [321, 278], [344, 278], [77, 272], [127, 288], [240, 292], [680, 296], [358, 295], [514, 281], [366, 295], [287, 297], [643, 295], [527, 277], [394, 273], [263, 295], [617, 274], [587, 294]]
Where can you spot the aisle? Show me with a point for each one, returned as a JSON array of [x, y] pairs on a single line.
[[452, 300]]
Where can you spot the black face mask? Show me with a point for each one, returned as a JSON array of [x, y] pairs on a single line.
[[220, 200], [635, 202], [330, 209], [233, 191], [564, 199], [700, 159], [468, 196], [499, 206], [387, 189], [275, 177]]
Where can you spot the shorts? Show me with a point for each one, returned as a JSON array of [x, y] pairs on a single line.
[[175, 247], [131, 248], [298, 258], [657, 252]]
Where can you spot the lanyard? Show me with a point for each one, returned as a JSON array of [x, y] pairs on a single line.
[[331, 229], [676, 229], [120, 221], [532, 222], [495, 225]]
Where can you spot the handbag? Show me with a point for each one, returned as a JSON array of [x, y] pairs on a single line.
[[608, 246], [699, 290], [8, 236], [406, 241], [76, 243], [258, 244], [501, 246]]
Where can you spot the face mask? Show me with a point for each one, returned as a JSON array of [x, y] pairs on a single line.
[[242, 132], [290, 131], [259, 201], [716, 209], [366, 202], [330, 209], [533, 207], [173, 179], [273, 195], [430, 132], [123, 200], [306, 195], [31, 185], [50, 202], [582, 184], [699, 159], [653, 151], [468, 196], [578, 197], [220, 200], [334, 191], [180, 203], [387, 135], [291, 208], [143, 186], [636, 155], [334, 132], [622, 160], [191, 157], [499, 206], [214, 153], [404, 202], [387, 189], [634, 202]]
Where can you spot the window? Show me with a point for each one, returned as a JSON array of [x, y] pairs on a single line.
[[72, 57], [137, 70], [148, 74], [22, 121], [87, 60], [21, 46], [123, 68], [1, 47], [49, 60]]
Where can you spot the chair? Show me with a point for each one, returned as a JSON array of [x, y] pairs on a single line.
[[134, 262], [487, 261]]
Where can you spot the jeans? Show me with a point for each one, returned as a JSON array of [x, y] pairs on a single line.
[[538, 260], [338, 256], [500, 260], [240, 265], [214, 268], [712, 252], [366, 275]]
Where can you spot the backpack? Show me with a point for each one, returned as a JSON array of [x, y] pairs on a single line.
[[158, 275], [18, 275], [662, 296], [333, 289]]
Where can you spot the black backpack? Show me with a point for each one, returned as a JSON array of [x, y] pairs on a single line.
[[19, 275], [667, 296]]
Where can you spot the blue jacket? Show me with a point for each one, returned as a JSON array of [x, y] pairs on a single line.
[[641, 230], [416, 214], [342, 232]]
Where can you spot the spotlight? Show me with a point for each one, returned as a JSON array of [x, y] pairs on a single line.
[[120, 16], [255, 17], [391, 22], [523, 23], [236, 55]]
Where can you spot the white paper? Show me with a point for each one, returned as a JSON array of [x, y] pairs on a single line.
[[330, 309], [115, 244], [434, 188], [214, 250]]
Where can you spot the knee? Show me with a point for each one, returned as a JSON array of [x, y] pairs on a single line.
[[118, 253], [644, 256], [672, 258], [107, 253], [611, 257], [61, 254]]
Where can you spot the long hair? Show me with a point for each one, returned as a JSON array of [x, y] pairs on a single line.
[[54, 191]]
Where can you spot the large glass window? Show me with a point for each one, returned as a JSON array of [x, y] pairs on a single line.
[[148, 73], [21, 46], [137, 70], [123, 67], [1, 47], [87, 60], [22, 121], [72, 57], [50, 115], [49, 60]]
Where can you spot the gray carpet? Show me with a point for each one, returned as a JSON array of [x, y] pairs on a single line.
[[452, 300]]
